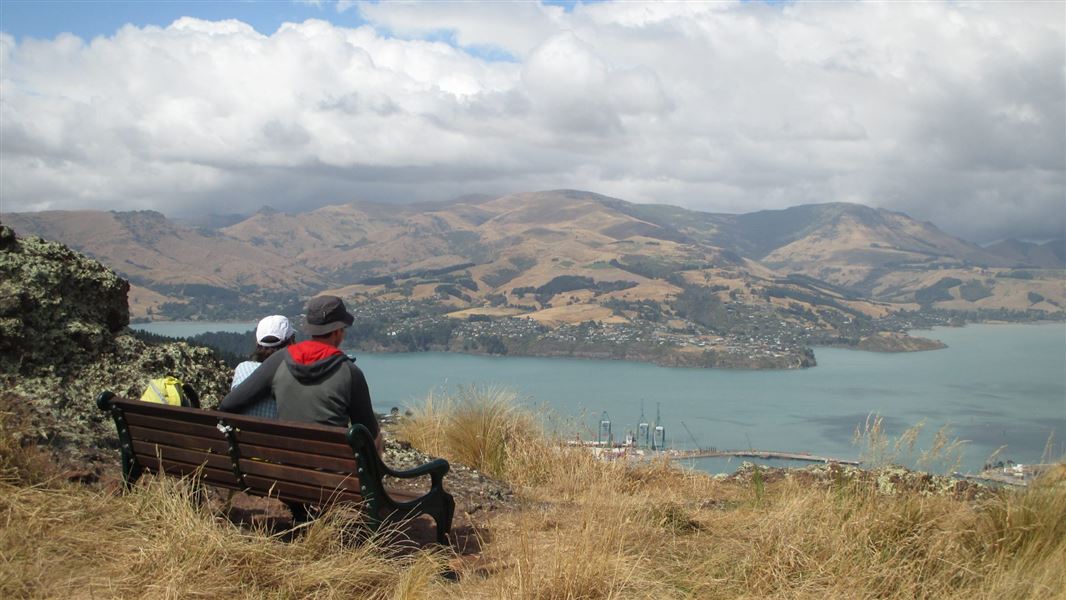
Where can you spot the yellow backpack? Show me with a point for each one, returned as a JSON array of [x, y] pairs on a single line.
[[170, 390]]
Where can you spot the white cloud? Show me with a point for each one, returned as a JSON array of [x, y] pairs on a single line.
[[952, 112]]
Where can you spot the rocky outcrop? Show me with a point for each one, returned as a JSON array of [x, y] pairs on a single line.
[[64, 339]]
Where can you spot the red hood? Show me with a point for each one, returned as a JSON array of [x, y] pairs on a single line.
[[305, 353]]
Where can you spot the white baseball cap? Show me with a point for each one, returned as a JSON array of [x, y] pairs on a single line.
[[273, 330]]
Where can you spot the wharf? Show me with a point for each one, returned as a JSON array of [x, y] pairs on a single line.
[[764, 454], [634, 453]]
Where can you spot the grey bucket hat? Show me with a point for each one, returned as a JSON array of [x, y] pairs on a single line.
[[326, 314]]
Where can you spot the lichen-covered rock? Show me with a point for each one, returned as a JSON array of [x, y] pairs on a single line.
[[56, 305], [64, 339], [887, 481]]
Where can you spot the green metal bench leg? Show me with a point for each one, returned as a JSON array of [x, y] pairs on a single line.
[[131, 469]]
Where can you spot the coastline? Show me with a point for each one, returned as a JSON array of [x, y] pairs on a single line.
[[750, 359]]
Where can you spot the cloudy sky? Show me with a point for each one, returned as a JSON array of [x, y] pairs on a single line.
[[951, 112]]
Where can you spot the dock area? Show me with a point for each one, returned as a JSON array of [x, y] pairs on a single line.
[[764, 454], [629, 452]]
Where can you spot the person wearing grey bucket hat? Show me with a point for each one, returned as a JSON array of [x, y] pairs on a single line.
[[326, 314], [313, 381]]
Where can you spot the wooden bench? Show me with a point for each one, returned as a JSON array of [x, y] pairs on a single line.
[[294, 462]]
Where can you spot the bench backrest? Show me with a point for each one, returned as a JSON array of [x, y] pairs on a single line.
[[294, 461], [291, 461], [173, 439]]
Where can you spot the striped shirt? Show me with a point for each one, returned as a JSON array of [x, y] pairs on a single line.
[[267, 407]]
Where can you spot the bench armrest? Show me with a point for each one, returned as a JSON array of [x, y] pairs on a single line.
[[362, 442], [437, 503], [103, 400], [436, 469]]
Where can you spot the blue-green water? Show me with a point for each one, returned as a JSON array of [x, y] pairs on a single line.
[[994, 385]]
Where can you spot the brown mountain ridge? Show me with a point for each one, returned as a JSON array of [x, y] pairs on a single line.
[[563, 258]]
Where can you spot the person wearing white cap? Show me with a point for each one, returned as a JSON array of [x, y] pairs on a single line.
[[272, 334]]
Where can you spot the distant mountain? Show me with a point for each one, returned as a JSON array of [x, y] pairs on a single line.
[[536, 254], [1018, 253], [211, 222], [170, 263]]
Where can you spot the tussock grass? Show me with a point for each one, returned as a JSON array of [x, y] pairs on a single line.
[[156, 543], [584, 529], [480, 427]]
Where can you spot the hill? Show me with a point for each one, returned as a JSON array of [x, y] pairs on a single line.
[[715, 289], [1019, 253]]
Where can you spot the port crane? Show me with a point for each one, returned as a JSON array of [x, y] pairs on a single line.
[[691, 437]]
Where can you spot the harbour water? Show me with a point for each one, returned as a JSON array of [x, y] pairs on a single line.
[[995, 385]]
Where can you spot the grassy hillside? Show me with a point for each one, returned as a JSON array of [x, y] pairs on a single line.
[[581, 529], [525, 240]]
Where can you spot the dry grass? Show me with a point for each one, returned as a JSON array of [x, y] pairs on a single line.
[[62, 541], [477, 426], [586, 529], [20, 460]]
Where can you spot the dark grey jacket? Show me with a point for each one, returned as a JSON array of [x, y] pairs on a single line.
[[312, 382]]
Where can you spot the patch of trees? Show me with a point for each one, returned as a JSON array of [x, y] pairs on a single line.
[[493, 344], [421, 273], [648, 310], [467, 282], [973, 291], [1035, 297], [936, 292], [379, 280], [436, 272], [355, 271], [448, 289], [570, 283], [701, 305], [391, 335], [200, 291], [801, 311], [1016, 274], [655, 268], [500, 276], [811, 282], [231, 348], [810, 298]]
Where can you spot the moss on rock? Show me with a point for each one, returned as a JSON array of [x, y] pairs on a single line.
[[64, 339]]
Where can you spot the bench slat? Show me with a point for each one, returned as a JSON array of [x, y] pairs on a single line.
[[219, 477], [329, 481], [294, 444], [300, 459], [216, 445], [288, 429], [176, 413], [285, 490], [146, 450], [168, 423]]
